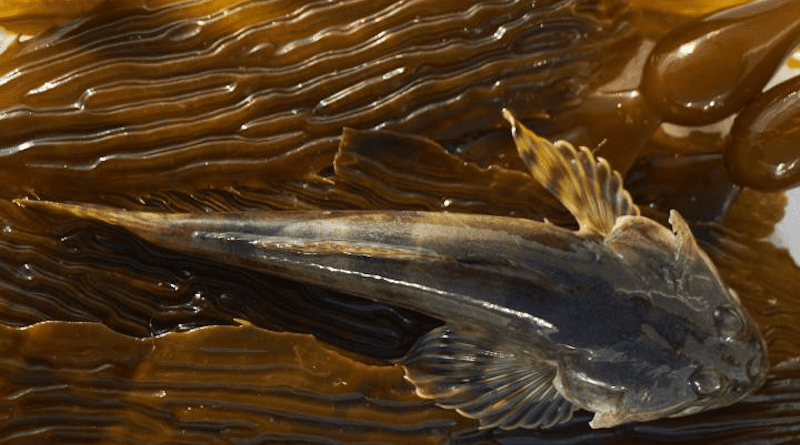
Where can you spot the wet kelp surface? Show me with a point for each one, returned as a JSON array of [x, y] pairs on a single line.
[[265, 88], [205, 106]]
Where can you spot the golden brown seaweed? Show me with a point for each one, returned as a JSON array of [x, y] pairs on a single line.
[[138, 289], [188, 96], [33, 16], [223, 384]]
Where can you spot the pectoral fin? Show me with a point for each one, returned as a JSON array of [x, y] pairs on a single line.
[[499, 388], [585, 185]]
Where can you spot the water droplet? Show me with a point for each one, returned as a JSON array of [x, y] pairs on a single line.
[[26, 271]]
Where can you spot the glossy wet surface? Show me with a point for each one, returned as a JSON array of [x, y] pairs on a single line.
[[194, 107]]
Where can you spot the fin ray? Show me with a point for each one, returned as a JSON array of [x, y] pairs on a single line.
[[587, 186], [499, 388]]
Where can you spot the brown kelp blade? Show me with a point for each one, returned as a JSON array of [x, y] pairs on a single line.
[[84, 383]]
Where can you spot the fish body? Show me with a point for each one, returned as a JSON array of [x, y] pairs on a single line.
[[623, 317]]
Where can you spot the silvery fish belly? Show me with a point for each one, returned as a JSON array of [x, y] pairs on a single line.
[[623, 317]]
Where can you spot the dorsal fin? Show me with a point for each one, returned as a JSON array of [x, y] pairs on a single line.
[[688, 254], [585, 185], [687, 245], [483, 381]]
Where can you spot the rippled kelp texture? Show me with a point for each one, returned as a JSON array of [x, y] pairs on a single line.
[[194, 106], [87, 383], [161, 97]]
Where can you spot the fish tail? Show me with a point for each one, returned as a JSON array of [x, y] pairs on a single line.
[[128, 219]]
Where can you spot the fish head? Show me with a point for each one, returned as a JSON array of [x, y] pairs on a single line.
[[676, 341], [688, 344]]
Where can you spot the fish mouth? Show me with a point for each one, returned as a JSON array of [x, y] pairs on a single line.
[[732, 395], [692, 408], [610, 419]]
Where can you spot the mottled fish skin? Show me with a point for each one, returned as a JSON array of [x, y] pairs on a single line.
[[623, 317]]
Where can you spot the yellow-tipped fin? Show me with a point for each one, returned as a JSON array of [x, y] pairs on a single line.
[[585, 185]]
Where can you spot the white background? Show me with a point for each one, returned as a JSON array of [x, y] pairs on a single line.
[[787, 233]]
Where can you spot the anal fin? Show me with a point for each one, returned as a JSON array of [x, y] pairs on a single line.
[[499, 388]]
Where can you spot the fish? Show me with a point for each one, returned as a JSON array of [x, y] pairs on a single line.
[[623, 317]]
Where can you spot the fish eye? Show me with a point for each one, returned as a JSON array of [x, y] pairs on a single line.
[[728, 321], [706, 382]]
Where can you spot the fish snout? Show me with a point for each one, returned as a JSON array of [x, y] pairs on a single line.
[[753, 377], [744, 347], [742, 369], [754, 358], [757, 365]]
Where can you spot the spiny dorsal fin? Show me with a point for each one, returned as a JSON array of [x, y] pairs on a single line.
[[688, 254], [586, 186], [499, 388], [687, 245]]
